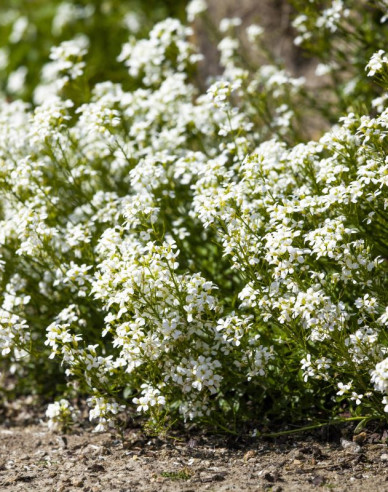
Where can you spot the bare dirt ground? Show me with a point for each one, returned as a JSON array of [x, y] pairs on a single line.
[[32, 458]]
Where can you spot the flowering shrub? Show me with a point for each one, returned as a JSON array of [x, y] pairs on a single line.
[[187, 253]]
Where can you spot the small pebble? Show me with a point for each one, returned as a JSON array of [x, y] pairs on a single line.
[[249, 454], [296, 454], [62, 442], [78, 482], [350, 446], [360, 438]]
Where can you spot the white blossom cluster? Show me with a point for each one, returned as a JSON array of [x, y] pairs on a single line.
[[336, 33], [103, 410], [186, 247], [149, 58], [377, 63], [195, 8], [61, 415], [328, 19], [67, 64]]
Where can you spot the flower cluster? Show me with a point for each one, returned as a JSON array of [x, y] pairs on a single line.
[[61, 415], [67, 65], [166, 50]]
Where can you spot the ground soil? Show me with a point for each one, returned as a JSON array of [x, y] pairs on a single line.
[[32, 458]]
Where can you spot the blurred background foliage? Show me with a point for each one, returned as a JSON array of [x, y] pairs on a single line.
[[29, 28]]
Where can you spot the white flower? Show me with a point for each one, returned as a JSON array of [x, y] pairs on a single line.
[[344, 388], [322, 69], [61, 415], [377, 63], [151, 397], [195, 8], [104, 411], [229, 23], [16, 80], [385, 402], [19, 30], [380, 376], [254, 32]]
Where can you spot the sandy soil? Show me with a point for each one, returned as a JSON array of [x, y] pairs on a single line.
[[31, 458]]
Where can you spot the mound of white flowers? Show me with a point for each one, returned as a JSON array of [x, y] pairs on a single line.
[[179, 253]]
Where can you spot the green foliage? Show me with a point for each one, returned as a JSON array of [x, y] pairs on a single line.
[[177, 475]]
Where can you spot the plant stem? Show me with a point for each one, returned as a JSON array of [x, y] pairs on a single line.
[[311, 427]]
